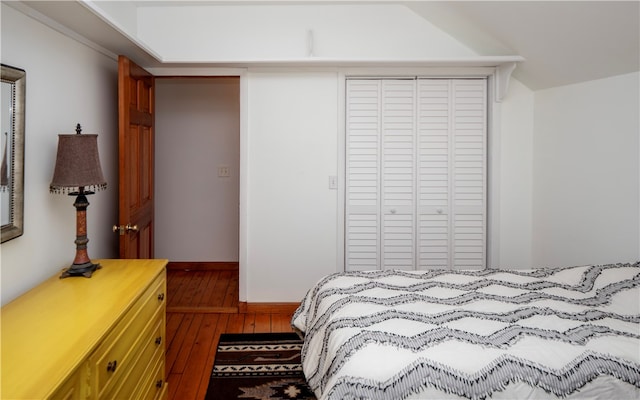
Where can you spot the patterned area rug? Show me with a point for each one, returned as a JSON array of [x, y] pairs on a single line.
[[258, 366]]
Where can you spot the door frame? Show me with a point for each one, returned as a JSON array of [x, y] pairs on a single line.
[[241, 73]]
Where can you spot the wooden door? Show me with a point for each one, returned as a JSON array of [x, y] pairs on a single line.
[[135, 154]]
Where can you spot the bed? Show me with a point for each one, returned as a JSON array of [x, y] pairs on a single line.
[[438, 334]]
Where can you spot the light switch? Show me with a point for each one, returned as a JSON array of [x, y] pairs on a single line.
[[223, 171], [333, 182]]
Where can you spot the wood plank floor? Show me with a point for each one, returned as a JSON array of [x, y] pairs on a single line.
[[200, 306], [191, 287]]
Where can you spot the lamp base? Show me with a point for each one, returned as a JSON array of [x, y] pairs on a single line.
[[85, 270]]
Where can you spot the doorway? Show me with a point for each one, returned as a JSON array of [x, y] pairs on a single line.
[[197, 169]]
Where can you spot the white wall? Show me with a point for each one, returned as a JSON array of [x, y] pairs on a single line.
[[291, 212], [276, 32], [586, 173], [66, 83], [197, 131], [513, 178]]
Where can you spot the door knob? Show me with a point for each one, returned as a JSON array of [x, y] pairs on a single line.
[[122, 229]]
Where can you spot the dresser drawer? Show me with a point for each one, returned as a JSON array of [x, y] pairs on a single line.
[[140, 369], [154, 386], [118, 352]]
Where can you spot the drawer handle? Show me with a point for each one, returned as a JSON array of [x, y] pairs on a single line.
[[159, 340], [111, 366], [161, 297], [159, 384]]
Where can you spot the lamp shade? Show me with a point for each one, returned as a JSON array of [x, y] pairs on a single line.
[[77, 164]]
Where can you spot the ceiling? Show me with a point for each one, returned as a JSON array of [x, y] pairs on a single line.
[[563, 42]]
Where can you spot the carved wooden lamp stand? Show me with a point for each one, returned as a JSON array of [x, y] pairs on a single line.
[[78, 167]]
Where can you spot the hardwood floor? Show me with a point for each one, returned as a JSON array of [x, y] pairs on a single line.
[[191, 289], [202, 304]]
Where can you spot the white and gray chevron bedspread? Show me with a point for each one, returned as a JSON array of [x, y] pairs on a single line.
[[546, 333]]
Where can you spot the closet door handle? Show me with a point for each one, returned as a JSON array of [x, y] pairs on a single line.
[[393, 211]]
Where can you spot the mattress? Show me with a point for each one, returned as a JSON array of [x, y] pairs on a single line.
[[545, 333]]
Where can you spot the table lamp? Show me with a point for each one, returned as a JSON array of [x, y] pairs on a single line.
[[77, 168]]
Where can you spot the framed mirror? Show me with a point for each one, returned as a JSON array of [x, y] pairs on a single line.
[[12, 151]]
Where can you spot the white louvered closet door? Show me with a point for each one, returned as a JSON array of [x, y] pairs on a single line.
[[434, 157], [398, 166], [362, 190], [469, 186], [415, 174], [451, 173]]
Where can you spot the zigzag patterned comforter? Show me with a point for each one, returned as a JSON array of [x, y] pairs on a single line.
[[547, 333]]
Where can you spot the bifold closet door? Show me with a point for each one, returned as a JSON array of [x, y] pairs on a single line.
[[398, 174], [469, 169], [362, 186], [451, 208], [415, 173], [380, 187]]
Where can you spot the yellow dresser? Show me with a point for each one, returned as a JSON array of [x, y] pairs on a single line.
[[88, 338]]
